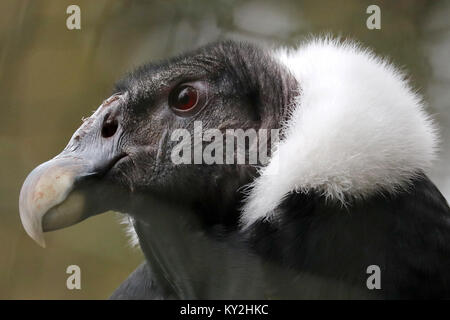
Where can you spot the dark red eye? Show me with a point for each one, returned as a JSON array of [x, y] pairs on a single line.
[[183, 98]]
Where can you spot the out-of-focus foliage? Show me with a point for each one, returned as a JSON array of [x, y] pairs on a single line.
[[51, 77]]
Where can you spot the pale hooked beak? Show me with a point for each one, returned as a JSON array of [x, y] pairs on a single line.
[[44, 202], [71, 187]]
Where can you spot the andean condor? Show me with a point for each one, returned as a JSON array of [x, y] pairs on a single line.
[[344, 188]]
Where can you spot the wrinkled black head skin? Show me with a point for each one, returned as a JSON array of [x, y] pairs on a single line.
[[244, 88]]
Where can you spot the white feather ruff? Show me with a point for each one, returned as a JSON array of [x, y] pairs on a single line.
[[356, 128]]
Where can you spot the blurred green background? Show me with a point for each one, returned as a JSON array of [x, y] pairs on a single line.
[[50, 77]]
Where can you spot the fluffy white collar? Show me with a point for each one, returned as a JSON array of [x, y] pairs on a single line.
[[356, 129]]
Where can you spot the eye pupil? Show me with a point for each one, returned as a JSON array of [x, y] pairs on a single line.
[[184, 98]]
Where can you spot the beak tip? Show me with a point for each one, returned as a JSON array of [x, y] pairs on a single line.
[[36, 235], [39, 240], [40, 243]]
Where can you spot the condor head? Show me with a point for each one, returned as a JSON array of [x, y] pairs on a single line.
[[124, 148]]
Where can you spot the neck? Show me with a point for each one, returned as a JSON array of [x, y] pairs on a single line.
[[190, 261]]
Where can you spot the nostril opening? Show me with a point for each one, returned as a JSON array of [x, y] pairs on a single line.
[[109, 128]]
